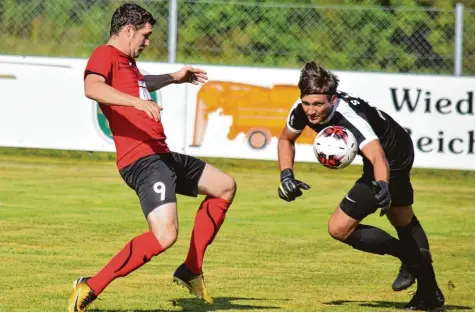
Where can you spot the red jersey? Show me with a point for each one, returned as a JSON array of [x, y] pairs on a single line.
[[135, 134]]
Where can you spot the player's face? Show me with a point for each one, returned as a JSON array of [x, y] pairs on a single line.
[[140, 40], [317, 107]]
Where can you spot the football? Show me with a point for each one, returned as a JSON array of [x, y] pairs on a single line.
[[335, 147]]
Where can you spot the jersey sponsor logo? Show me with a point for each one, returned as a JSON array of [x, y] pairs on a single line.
[[143, 92]]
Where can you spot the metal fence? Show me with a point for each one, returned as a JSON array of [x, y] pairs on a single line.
[[358, 38]]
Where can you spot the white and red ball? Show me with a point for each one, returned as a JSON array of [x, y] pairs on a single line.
[[335, 147]]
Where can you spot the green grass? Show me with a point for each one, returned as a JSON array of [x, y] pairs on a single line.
[[64, 214]]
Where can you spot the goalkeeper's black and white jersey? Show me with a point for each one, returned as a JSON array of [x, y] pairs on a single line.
[[366, 122]]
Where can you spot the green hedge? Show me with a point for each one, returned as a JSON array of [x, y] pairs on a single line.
[[368, 35]]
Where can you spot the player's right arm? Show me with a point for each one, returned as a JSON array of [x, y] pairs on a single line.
[[96, 88], [99, 67], [290, 188], [286, 151]]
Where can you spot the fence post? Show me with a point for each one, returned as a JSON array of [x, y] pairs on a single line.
[[458, 55], [172, 40]]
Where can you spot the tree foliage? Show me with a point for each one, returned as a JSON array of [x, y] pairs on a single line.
[[368, 35]]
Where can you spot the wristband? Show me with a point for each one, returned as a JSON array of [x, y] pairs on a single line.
[[287, 173]]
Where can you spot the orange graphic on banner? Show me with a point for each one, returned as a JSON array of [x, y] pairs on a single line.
[[258, 112]]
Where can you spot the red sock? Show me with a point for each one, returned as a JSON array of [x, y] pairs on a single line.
[[135, 254], [208, 220]]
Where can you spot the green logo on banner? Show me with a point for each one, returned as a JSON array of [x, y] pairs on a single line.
[[103, 122]]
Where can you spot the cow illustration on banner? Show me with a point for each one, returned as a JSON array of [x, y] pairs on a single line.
[[257, 112]]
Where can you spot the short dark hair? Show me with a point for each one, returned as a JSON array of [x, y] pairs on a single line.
[[315, 79], [130, 14]]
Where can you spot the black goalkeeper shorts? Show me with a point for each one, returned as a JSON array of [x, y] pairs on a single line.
[[360, 201]]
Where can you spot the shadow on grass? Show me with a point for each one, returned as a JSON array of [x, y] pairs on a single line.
[[390, 304], [222, 303], [194, 305], [125, 310]]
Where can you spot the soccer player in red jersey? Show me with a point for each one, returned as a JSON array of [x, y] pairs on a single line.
[[145, 162]]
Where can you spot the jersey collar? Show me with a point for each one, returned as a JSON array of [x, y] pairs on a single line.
[[334, 108]]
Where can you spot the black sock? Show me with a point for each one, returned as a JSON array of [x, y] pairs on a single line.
[[416, 230], [420, 237], [374, 240], [412, 255]]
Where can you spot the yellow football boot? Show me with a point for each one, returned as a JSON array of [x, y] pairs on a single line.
[[194, 283], [82, 296]]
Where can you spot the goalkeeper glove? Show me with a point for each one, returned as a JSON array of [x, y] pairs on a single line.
[[290, 188], [382, 195]]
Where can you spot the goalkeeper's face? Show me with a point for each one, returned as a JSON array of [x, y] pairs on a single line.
[[317, 107]]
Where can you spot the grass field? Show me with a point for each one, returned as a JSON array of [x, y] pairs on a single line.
[[63, 215]]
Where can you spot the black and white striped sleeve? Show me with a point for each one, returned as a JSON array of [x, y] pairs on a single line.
[[357, 124], [296, 118]]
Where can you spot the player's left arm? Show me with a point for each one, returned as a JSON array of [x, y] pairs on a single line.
[[373, 151], [187, 74], [155, 82]]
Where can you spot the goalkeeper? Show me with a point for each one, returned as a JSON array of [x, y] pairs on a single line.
[[387, 152]]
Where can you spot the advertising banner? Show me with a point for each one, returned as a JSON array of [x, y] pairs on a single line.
[[239, 113], [242, 112]]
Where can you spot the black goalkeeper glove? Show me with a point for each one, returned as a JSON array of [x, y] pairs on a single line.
[[290, 188], [382, 195]]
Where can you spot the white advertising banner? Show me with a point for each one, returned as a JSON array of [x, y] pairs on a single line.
[[42, 105], [239, 113]]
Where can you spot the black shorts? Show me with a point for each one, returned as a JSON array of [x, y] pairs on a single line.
[[360, 201], [157, 178]]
